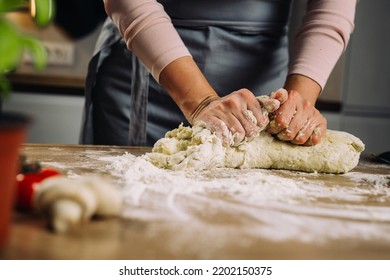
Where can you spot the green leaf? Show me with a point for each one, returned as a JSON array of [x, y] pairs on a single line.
[[44, 11], [37, 51], [10, 5], [11, 49], [4, 87]]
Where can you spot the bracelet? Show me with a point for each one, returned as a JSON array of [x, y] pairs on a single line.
[[201, 106]]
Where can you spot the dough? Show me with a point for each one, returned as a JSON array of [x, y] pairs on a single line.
[[68, 202], [198, 148]]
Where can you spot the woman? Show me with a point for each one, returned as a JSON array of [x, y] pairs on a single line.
[[160, 63]]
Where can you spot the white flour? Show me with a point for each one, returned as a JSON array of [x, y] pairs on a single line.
[[264, 203]]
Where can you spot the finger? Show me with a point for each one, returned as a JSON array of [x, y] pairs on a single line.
[[236, 139], [313, 127], [306, 131], [297, 124], [236, 133], [231, 129], [317, 135], [238, 104], [253, 108], [268, 104], [281, 95], [248, 122], [261, 117], [220, 129], [281, 119]]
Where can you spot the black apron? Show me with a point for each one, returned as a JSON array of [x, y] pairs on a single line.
[[235, 43]]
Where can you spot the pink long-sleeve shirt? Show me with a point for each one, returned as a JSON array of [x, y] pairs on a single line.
[[323, 36]]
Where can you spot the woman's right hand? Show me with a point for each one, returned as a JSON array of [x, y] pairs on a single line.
[[228, 116]]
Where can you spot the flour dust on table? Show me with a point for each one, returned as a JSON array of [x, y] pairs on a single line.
[[198, 148], [276, 205]]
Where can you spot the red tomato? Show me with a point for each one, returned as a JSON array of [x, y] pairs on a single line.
[[27, 184]]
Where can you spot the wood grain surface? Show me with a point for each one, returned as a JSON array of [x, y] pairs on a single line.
[[218, 225]]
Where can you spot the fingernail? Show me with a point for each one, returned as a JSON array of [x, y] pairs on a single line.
[[317, 131], [282, 137], [273, 124], [237, 138]]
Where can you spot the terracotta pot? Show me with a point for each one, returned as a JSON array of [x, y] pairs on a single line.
[[13, 130]]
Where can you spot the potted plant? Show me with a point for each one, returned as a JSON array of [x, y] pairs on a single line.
[[13, 126]]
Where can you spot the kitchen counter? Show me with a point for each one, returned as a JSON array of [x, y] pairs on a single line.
[[214, 214]]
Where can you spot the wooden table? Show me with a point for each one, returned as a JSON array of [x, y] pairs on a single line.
[[327, 216]]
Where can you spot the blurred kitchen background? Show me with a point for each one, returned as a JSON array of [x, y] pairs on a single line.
[[356, 98]]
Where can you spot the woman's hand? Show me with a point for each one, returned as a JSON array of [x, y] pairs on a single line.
[[233, 117], [297, 120]]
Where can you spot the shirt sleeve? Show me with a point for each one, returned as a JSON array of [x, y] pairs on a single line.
[[322, 38], [148, 32]]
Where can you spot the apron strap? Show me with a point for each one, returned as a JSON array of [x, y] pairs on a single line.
[[101, 51], [138, 103]]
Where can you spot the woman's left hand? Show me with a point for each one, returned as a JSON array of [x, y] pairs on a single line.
[[298, 121]]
